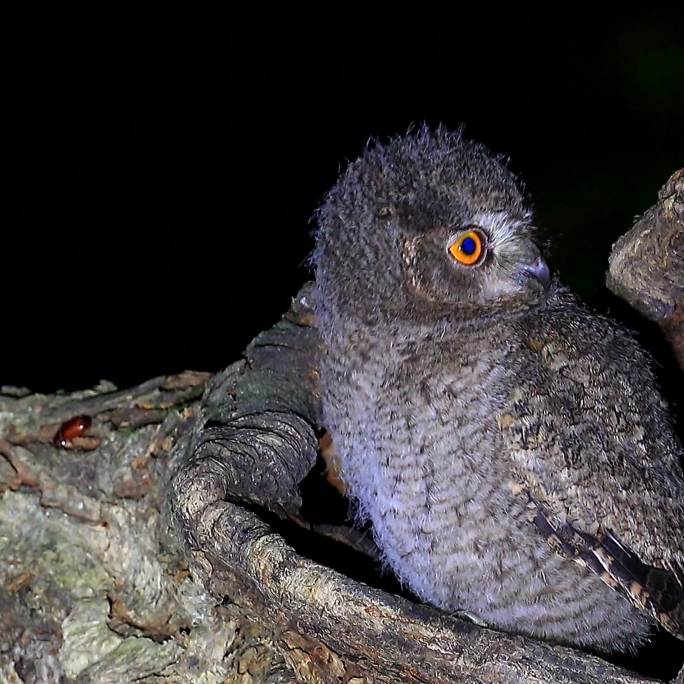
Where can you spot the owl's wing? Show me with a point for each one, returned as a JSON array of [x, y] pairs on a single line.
[[650, 588], [591, 444]]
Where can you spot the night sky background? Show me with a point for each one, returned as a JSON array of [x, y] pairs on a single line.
[[161, 184]]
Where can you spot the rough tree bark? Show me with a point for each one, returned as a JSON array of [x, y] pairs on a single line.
[[646, 267], [151, 545]]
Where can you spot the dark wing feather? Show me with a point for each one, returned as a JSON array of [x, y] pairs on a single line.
[[654, 590]]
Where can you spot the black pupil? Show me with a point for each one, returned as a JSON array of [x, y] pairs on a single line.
[[468, 246]]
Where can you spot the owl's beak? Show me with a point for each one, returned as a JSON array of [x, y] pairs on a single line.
[[539, 271]]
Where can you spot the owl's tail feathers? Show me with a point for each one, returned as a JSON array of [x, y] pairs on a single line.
[[656, 591]]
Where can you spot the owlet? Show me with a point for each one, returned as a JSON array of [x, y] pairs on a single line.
[[509, 446]]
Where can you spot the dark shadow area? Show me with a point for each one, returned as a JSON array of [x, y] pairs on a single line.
[[322, 504], [661, 658]]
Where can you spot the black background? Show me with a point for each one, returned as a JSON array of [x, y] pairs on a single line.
[[160, 184], [162, 189]]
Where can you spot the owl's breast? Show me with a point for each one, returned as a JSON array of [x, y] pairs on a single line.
[[416, 432]]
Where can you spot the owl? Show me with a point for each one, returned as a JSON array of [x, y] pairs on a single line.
[[509, 446]]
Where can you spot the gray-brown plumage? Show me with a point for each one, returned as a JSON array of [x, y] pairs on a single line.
[[509, 446]]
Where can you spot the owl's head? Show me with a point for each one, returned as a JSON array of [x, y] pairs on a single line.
[[427, 225]]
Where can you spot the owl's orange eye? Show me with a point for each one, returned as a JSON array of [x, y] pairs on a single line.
[[468, 248]]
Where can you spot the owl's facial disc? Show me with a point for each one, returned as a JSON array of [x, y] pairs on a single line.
[[470, 248], [488, 264]]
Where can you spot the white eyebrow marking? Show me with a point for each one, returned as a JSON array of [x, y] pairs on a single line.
[[499, 224]]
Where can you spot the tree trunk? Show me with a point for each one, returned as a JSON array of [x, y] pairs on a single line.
[[158, 541]]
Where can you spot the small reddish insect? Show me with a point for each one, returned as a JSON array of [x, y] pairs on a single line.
[[71, 429]]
